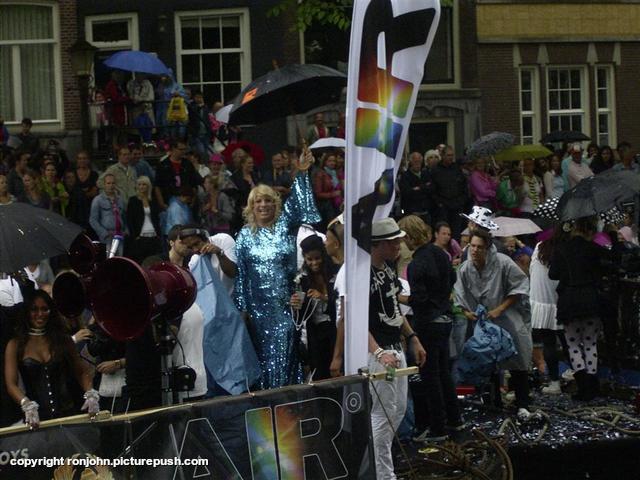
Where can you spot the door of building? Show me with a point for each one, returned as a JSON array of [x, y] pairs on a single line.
[[425, 136]]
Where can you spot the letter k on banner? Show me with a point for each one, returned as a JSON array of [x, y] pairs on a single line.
[[390, 42]]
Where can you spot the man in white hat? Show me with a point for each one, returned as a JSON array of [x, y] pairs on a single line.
[[577, 169], [386, 327], [481, 218]]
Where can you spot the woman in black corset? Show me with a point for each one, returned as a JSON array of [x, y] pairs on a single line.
[[43, 354]]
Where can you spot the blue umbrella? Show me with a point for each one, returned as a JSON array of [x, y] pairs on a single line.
[[136, 61]]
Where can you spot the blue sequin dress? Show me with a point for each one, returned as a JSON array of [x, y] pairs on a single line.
[[264, 284]]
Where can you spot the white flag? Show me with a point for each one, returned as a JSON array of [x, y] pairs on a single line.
[[390, 41]]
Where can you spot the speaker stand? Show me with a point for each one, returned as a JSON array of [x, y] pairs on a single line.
[[165, 348]]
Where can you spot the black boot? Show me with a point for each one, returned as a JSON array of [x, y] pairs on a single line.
[[584, 391], [594, 385]]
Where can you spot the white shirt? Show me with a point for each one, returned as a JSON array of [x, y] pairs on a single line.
[[340, 286], [190, 336], [227, 244], [341, 281], [10, 293], [578, 172], [147, 229]]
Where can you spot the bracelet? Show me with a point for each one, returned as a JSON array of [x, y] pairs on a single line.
[[378, 353], [24, 400], [118, 364], [411, 335]]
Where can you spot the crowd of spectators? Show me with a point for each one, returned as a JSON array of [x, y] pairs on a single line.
[[247, 219]]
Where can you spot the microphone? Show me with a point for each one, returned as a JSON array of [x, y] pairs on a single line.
[[115, 243]]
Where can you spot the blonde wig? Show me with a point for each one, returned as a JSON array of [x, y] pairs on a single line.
[[257, 192]]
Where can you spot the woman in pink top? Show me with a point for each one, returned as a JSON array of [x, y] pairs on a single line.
[[482, 185]]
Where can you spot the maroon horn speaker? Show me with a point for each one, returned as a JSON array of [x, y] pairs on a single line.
[[125, 297], [69, 288]]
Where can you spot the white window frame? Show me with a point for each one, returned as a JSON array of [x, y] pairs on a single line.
[[534, 113], [132, 43], [457, 81], [57, 66], [245, 40], [610, 110], [584, 97]]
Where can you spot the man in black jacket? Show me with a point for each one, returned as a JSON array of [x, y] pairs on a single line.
[[173, 172], [415, 185], [450, 191], [431, 278]]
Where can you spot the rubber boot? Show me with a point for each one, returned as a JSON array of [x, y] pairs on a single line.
[[594, 385]]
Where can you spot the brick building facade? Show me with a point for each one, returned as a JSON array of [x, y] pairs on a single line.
[[215, 47], [559, 65], [36, 79], [526, 67]]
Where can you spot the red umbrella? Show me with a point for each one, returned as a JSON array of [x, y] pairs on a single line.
[[253, 149]]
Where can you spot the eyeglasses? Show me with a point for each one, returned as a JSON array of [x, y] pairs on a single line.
[[40, 309]]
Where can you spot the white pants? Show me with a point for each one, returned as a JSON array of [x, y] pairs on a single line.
[[393, 396]]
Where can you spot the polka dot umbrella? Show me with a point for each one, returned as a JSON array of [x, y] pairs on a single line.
[[549, 210]]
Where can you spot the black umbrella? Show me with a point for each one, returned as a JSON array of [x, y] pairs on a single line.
[[490, 144], [30, 234], [598, 194], [560, 136], [285, 91]]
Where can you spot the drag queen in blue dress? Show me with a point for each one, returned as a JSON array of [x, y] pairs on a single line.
[[266, 253]]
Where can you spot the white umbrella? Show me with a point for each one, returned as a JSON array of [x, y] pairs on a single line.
[[511, 227], [329, 142], [222, 115]]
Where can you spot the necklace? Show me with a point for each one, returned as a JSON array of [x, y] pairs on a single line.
[[377, 287], [37, 332]]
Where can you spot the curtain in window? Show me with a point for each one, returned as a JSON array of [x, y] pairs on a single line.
[[6, 85], [38, 87], [34, 62], [26, 22]]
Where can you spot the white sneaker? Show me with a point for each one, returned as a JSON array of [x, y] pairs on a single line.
[[553, 388], [567, 375]]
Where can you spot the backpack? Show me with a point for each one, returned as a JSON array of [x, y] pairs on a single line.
[[177, 111]]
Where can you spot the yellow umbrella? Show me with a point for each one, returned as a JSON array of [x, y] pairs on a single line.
[[520, 152]]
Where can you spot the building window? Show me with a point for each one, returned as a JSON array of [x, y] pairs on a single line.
[[30, 70], [529, 105], [566, 97], [605, 104], [440, 66], [113, 32], [213, 52]]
